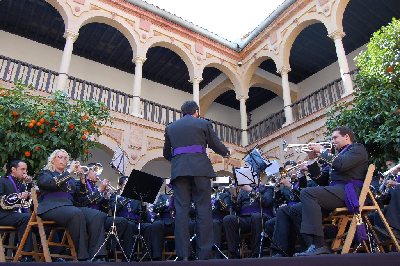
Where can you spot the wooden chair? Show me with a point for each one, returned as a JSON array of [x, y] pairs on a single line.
[[167, 254], [37, 222], [345, 220], [246, 245], [7, 233]]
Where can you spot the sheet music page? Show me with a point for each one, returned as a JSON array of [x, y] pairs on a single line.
[[246, 176]]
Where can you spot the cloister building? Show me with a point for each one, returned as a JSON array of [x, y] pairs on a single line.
[[275, 84]]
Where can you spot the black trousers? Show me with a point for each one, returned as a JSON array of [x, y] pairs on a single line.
[[314, 199], [198, 190], [286, 231], [159, 229], [85, 225], [19, 220], [247, 224]]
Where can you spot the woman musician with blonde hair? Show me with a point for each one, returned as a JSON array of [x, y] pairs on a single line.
[[56, 203]]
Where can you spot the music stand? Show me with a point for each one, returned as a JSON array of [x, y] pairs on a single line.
[[143, 187]]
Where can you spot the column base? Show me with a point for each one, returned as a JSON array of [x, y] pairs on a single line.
[[345, 94]]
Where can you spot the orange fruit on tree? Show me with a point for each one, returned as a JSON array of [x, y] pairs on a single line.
[[389, 69], [53, 129], [31, 125], [37, 148], [56, 123], [38, 124], [41, 131], [84, 137], [33, 121], [40, 113], [52, 113], [14, 113], [71, 126], [27, 154], [41, 120]]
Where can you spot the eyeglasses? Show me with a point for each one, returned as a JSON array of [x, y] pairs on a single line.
[[62, 157]]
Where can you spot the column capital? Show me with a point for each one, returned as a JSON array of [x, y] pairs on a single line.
[[68, 34], [139, 60], [284, 70], [242, 97], [337, 34], [196, 80]]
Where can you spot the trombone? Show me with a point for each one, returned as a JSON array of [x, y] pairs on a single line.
[[304, 147]]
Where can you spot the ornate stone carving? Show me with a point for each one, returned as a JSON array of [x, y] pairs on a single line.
[[274, 152], [136, 138], [337, 34], [153, 143], [112, 133]]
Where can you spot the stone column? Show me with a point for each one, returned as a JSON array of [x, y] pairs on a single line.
[[287, 100], [337, 37], [243, 119], [70, 38], [137, 85], [196, 89]]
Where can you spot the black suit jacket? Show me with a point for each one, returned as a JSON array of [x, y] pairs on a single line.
[[349, 165], [189, 131], [8, 194], [49, 182]]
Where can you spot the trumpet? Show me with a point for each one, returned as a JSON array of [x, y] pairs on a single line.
[[109, 186], [304, 147], [97, 168]]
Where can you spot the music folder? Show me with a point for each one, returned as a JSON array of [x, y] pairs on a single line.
[[142, 186]]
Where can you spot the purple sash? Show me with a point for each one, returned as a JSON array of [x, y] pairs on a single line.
[[189, 149], [247, 210], [353, 205]]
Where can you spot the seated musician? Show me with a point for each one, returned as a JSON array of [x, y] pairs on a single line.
[[14, 196], [247, 207], [163, 225], [220, 206], [56, 203], [286, 224], [391, 195], [132, 210], [347, 174], [98, 198]]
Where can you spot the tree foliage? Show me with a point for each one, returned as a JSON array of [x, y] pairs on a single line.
[[31, 127], [374, 114]]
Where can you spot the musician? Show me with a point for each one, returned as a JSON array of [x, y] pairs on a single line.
[[185, 146], [286, 224], [248, 210], [56, 203], [98, 198], [14, 187], [220, 205], [163, 224], [391, 211], [349, 168], [132, 210]]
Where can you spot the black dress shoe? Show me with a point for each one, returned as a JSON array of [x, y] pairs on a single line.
[[313, 251]]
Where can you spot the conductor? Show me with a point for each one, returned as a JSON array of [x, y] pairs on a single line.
[[185, 146]]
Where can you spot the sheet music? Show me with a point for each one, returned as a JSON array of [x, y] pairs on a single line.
[[273, 168], [245, 176], [119, 160]]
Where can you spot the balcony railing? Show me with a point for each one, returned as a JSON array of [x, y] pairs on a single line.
[[42, 79], [39, 78], [266, 127], [12, 70]]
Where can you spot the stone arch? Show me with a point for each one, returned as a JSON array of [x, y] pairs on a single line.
[[147, 157], [253, 66], [209, 98], [338, 13], [293, 31], [176, 47], [117, 22], [62, 10], [228, 70]]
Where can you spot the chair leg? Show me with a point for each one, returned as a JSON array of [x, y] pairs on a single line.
[[21, 245], [2, 251], [43, 240], [343, 221], [350, 236]]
